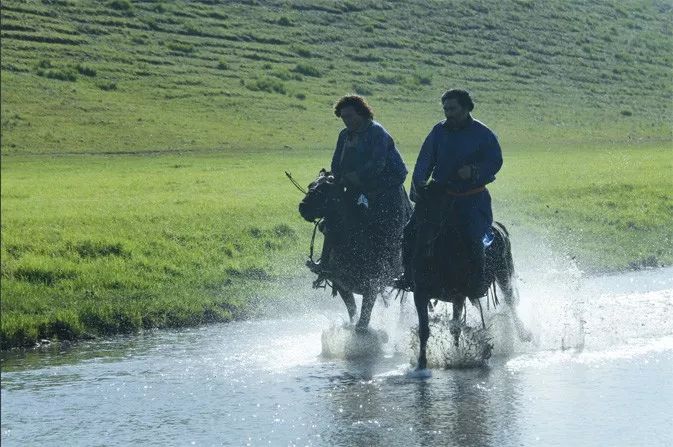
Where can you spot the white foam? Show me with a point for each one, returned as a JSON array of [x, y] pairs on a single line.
[[343, 342], [634, 348]]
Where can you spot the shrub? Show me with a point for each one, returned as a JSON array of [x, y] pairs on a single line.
[[42, 275], [108, 86], [60, 74], [307, 70], [86, 71], [284, 21], [96, 249], [301, 51], [222, 65], [120, 5], [362, 90], [266, 85], [419, 79], [367, 57], [180, 47], [387, 79], [286, 75]]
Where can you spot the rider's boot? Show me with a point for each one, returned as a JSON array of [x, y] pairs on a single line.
[[322, 266], [404, 282]]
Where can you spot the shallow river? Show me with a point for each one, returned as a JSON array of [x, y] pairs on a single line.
[[599, 373]]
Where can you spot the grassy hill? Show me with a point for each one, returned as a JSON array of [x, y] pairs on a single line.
[[143, 142], [125, 76]]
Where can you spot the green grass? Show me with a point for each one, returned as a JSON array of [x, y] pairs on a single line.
[[608, 206], [144, 142], [108, 244], [103, 245]]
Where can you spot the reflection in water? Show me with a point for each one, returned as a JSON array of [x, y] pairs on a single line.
[[466, 408], [474, 407], [68, 354]]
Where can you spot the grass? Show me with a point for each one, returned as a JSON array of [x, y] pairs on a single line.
[[103, 245], [109, 244], [143, 142], [175, 76]]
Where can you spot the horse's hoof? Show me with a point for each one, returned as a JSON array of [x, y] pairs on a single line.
[[383, 336], [419, 373], [361, 330]]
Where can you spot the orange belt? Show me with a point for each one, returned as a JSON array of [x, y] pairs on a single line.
[[467, 193]]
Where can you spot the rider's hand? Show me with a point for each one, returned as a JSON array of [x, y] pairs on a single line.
[[465, 172]]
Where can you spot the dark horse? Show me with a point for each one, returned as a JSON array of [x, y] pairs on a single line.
[[363, 240], [440, 266]]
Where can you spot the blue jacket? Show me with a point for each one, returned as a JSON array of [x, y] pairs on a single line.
[[372, 155], [444, 152]]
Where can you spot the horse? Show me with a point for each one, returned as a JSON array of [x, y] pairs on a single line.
[[362, 255], [440, 267]]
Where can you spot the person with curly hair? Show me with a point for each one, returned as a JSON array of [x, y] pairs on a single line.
[[365, 245]]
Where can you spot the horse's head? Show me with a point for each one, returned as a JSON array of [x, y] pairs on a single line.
[[316, 202]]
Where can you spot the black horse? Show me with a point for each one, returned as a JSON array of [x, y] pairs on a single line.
[[362, 239], [440, 266]]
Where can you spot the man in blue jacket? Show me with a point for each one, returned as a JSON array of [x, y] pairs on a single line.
[[461, 155]]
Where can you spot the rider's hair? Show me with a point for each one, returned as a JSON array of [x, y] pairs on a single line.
[[357, 102], [462, 96]]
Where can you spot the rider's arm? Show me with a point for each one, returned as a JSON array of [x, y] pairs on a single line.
[[489, 162], [425, 163], [336, 158], [369, 172]]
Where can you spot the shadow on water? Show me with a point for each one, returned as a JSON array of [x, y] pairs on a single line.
[[57, 354]]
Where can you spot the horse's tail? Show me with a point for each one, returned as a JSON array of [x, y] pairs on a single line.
[[504, 265]]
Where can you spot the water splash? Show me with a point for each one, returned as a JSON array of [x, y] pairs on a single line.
[[474, 347], [344, 342]]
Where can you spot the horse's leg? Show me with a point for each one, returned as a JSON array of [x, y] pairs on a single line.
[[368, 300], [454, 327], [349, 301], [421, 302]]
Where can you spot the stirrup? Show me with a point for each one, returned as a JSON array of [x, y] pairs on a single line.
[[317, 267], [403, 283]]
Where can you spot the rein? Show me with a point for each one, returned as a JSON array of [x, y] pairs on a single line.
[[295, 183], [312, 247]]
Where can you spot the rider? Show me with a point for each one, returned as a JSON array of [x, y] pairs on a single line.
[[462, 155], [369, 166]]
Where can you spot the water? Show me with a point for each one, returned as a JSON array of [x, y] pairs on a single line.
[[599, 374]]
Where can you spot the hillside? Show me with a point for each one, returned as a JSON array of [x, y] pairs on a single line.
[[125, 76]]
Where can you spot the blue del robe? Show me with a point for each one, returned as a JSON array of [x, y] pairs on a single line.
[[444, 152]]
